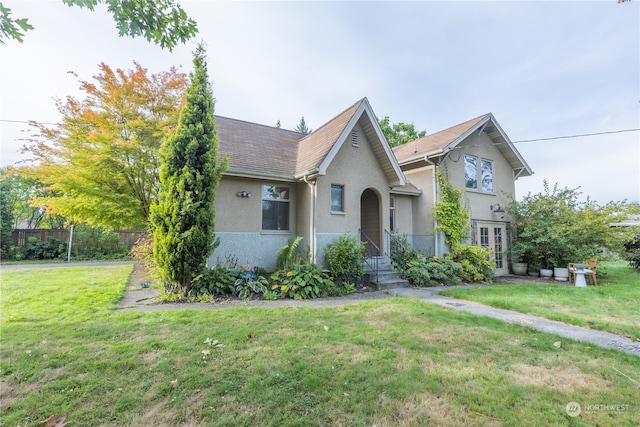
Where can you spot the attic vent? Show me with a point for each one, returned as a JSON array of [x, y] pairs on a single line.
[[354, 139]]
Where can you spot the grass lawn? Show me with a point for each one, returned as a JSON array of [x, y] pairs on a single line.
[[613, 306], [395, 362]]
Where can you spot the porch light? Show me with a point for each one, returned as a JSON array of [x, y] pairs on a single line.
[[243, 194], [496, 208]]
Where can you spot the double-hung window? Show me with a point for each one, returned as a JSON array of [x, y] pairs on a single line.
[[478, 175], [275, 208]]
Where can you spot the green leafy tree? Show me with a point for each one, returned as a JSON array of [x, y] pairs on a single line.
[[162, 22], [20, 192], [302, 127], [184, 217], [399, 133], [6, 220], [100, 164], [554, 228]]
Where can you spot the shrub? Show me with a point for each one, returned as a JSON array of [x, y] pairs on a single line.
[[98, 243], [432, 271], [301, 282], [339, 289], [632, 248], [51, 248], [475, 261], [248, 286], [219, 280], [346, 259], [288, 255], [554, 228]]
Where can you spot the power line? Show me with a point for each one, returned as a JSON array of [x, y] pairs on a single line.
[[576, 136], [27, 122]]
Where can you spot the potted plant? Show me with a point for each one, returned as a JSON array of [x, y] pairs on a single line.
[[519, 268], [533, 269], [520, 255], [546, 271]]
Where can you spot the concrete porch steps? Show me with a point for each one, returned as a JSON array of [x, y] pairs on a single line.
[[387, 277]]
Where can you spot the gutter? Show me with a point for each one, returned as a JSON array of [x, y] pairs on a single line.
[[313, 193], [427, 160]]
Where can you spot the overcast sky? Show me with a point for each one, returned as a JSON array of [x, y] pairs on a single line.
[[544, 69]]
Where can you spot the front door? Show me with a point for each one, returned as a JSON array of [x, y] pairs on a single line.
[[494, 236], [370, 217]]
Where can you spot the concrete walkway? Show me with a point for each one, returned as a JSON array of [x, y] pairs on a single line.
[[599, 338]]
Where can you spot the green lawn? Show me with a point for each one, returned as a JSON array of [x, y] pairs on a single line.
[[395, 362], [613, 306]]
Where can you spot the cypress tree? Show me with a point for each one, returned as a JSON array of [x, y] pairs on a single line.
[[184, 216]]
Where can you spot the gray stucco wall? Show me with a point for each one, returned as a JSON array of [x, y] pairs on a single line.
[[254, 249]]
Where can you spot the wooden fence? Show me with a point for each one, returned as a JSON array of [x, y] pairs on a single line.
[[81, 240]]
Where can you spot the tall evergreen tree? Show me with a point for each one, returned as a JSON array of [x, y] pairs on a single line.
[[184, 217], [6, 220], [303, 128]]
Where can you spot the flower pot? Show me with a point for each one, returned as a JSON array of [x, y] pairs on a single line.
[[520, 268], [561, 274], [533, 273], [546, 272]]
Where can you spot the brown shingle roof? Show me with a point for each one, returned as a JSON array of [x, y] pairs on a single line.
[[256, 148], [259, 149], [438, 140], [314, 147]]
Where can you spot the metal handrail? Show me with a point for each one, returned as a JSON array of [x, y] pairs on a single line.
[[372, 252], [391, 240]]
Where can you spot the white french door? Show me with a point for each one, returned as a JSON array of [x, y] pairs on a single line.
[[494, 236]]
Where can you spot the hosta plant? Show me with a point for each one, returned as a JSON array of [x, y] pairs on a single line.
[[300, 282]]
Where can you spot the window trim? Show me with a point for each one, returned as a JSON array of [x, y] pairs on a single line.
[[341, 187], [465, 172], [493, 174], [479, 188], [267, 199]]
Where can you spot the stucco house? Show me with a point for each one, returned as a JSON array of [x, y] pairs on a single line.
[[478, 158], [344, 178]]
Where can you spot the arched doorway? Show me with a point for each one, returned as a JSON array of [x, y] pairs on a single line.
[[370, 216]]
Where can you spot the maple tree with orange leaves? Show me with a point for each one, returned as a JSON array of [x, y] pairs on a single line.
[[100, 162]]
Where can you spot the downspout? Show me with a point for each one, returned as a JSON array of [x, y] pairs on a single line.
[[434, 195], [312, 218]]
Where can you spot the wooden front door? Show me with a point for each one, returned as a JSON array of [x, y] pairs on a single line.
[[370, 216]]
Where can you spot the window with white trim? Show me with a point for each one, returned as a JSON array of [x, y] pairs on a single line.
[[487, 175], [474, 174], [471, 172], [275, 208], [337, 198]]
